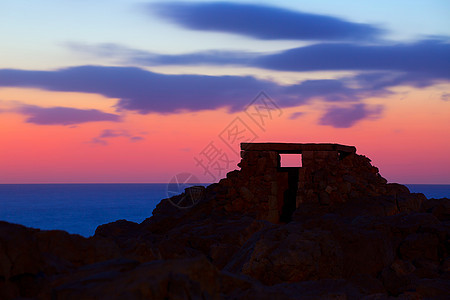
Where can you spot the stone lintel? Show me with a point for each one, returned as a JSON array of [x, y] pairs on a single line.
[[296, 148]]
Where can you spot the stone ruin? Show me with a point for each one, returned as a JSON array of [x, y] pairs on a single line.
[[351, 235], [329, 174]]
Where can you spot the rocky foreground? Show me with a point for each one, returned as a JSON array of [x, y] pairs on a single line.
[[383, 244]]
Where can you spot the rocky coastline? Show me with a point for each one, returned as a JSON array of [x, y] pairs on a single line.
[[342, 232]]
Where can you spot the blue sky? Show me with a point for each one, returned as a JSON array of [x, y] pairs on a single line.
[[101, 73], [345, 51], [44, 34]]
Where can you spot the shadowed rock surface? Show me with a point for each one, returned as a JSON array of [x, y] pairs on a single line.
[[340, 232]]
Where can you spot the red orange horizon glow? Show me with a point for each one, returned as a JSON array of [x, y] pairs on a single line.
[[409, 142]]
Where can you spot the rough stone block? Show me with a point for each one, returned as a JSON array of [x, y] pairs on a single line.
[[245, 193], [261, 165], [330, 189], [307, 155], [273, 203], [273, 216], [274, 188], [321, 154], [324, 198]]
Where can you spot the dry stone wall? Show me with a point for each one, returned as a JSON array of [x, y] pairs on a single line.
[[330, 174]]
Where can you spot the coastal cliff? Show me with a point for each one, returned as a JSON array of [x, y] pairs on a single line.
[[333, 228]]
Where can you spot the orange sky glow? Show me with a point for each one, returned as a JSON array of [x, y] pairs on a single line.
[[139, 91], [409, 142]]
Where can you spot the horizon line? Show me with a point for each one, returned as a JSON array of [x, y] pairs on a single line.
[[169, 182]]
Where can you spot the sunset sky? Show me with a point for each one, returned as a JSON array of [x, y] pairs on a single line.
[[140, 91]]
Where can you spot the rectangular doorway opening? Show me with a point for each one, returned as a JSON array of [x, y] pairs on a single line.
[[290, 160]]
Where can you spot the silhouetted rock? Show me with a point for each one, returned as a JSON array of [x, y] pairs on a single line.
[[331, 229], [29, 257]]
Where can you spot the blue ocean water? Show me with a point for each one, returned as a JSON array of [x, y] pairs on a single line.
[[431, 190], [80, 208], [77, 208]]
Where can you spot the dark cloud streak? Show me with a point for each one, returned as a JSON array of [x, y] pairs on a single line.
[[146, 92], [417, 64], [212, 57], [347, 116], [262, 22], [114, 133], [431, 57], [64, 115], [422, 61]]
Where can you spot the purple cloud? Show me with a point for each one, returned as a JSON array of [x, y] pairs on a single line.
[[64, 115], [128, 56], [99, 141], [333, 90], [136, 138], [296, 115], [425, 59], [145, 92], [419, 64], [262, 22], [114, 133], [344, 117], [109, 133]]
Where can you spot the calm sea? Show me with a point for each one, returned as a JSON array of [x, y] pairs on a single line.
[[80, 208], [77, 208]]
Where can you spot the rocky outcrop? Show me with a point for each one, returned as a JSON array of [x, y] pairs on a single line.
[[28, 257], [331, 174], [367, 239]]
